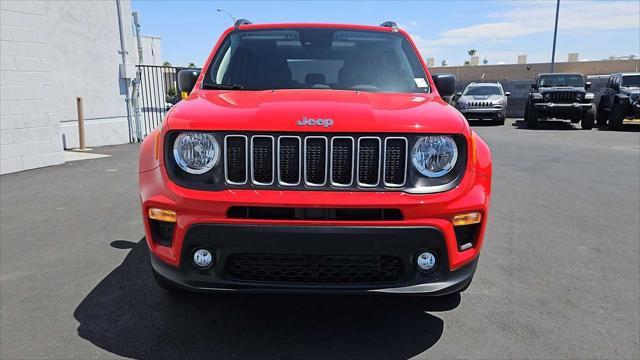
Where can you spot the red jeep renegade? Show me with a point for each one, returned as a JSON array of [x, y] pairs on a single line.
[[315, 158]]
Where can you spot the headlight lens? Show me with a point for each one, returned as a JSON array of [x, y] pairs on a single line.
[[196, 152], [589, 96], [434, 156]]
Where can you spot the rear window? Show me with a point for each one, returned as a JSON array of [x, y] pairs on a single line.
[[317, 59]]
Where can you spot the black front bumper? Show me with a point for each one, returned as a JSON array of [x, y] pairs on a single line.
[[403, 243]]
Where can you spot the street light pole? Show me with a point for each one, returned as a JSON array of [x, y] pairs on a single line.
[[555, 34], [228, 13]]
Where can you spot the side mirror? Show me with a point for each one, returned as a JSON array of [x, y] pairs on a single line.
[[587, 84], [507, 93], [534, 86], [445, 83], [187, 79]]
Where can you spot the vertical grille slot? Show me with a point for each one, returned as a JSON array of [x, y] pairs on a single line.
[[315, 160], [368, 161], [262, 159], [289, 160], [342, 161], [235, 147], [395, 160]]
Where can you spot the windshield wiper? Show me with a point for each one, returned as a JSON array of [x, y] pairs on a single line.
[[222, 87]]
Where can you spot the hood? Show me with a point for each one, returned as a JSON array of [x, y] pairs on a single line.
[[284, 110], [482, 97], [630, 90], [561, 89]]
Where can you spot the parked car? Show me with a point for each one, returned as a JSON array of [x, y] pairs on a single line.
[[560, 96], [483, 101], [315, 158], [620, 100]]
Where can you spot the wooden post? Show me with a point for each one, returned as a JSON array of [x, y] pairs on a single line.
[[80, 123]]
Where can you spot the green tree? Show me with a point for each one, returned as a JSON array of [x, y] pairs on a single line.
[[166, 64], [191, 65]]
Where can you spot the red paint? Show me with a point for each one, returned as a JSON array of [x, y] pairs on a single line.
[[278, 111]]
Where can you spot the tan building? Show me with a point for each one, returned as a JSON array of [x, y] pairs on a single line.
[[529, 71], [573, 57]]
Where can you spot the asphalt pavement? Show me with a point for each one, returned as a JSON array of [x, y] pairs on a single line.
[[558, 277]]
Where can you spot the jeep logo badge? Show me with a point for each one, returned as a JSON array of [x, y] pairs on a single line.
[[315, 122]]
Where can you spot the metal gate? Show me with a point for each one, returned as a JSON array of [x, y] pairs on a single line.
[[158, 92]]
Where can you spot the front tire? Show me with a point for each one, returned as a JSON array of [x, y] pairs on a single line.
[[531, 116], [588, 119], [616, 117]]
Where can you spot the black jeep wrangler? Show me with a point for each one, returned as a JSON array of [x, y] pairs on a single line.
[[620, 100], [560, 96]]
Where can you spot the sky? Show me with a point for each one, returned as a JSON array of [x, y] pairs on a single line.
[[444, 30]]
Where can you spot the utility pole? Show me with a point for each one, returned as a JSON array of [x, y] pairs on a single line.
[[137, 81], [555, 34]]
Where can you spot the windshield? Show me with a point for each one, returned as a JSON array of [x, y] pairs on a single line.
[[483, 90], [631, 81], [316, 59], [573, 80]]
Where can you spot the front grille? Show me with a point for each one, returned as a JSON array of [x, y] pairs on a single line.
[[316, 161], [262, 160], [314, 269], [481, 104], [562, 97]]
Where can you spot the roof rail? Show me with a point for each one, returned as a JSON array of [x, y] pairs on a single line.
[[390, 24], [240, 22]]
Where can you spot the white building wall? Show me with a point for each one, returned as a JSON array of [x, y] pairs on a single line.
[[29, 130], [85, 43]]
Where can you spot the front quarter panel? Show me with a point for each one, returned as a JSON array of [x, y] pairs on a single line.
[[149, 151]]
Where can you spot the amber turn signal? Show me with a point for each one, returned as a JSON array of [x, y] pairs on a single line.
[[467, 219], [162, 215]]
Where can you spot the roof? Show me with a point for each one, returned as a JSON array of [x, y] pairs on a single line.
[[560, 73], [315, 25]]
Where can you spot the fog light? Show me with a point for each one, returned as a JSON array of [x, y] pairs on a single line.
[[202, 259], [426, 261]]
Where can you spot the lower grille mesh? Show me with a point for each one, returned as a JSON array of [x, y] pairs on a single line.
[[314, 269]]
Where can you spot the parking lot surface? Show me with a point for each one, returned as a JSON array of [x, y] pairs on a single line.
[[558, 277]]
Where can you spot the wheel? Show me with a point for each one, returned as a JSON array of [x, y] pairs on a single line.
[[531, 117], [588, 119], [165, 284], [498, 120], [602, 116], [616, 117]]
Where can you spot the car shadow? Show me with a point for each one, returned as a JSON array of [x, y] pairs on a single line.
[[547, 125], [626, 127], [128, 315]]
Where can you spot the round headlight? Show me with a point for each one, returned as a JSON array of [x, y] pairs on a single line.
[[196, 152], [434, 156]]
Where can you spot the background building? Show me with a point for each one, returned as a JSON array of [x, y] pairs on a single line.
[[51, 53]]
